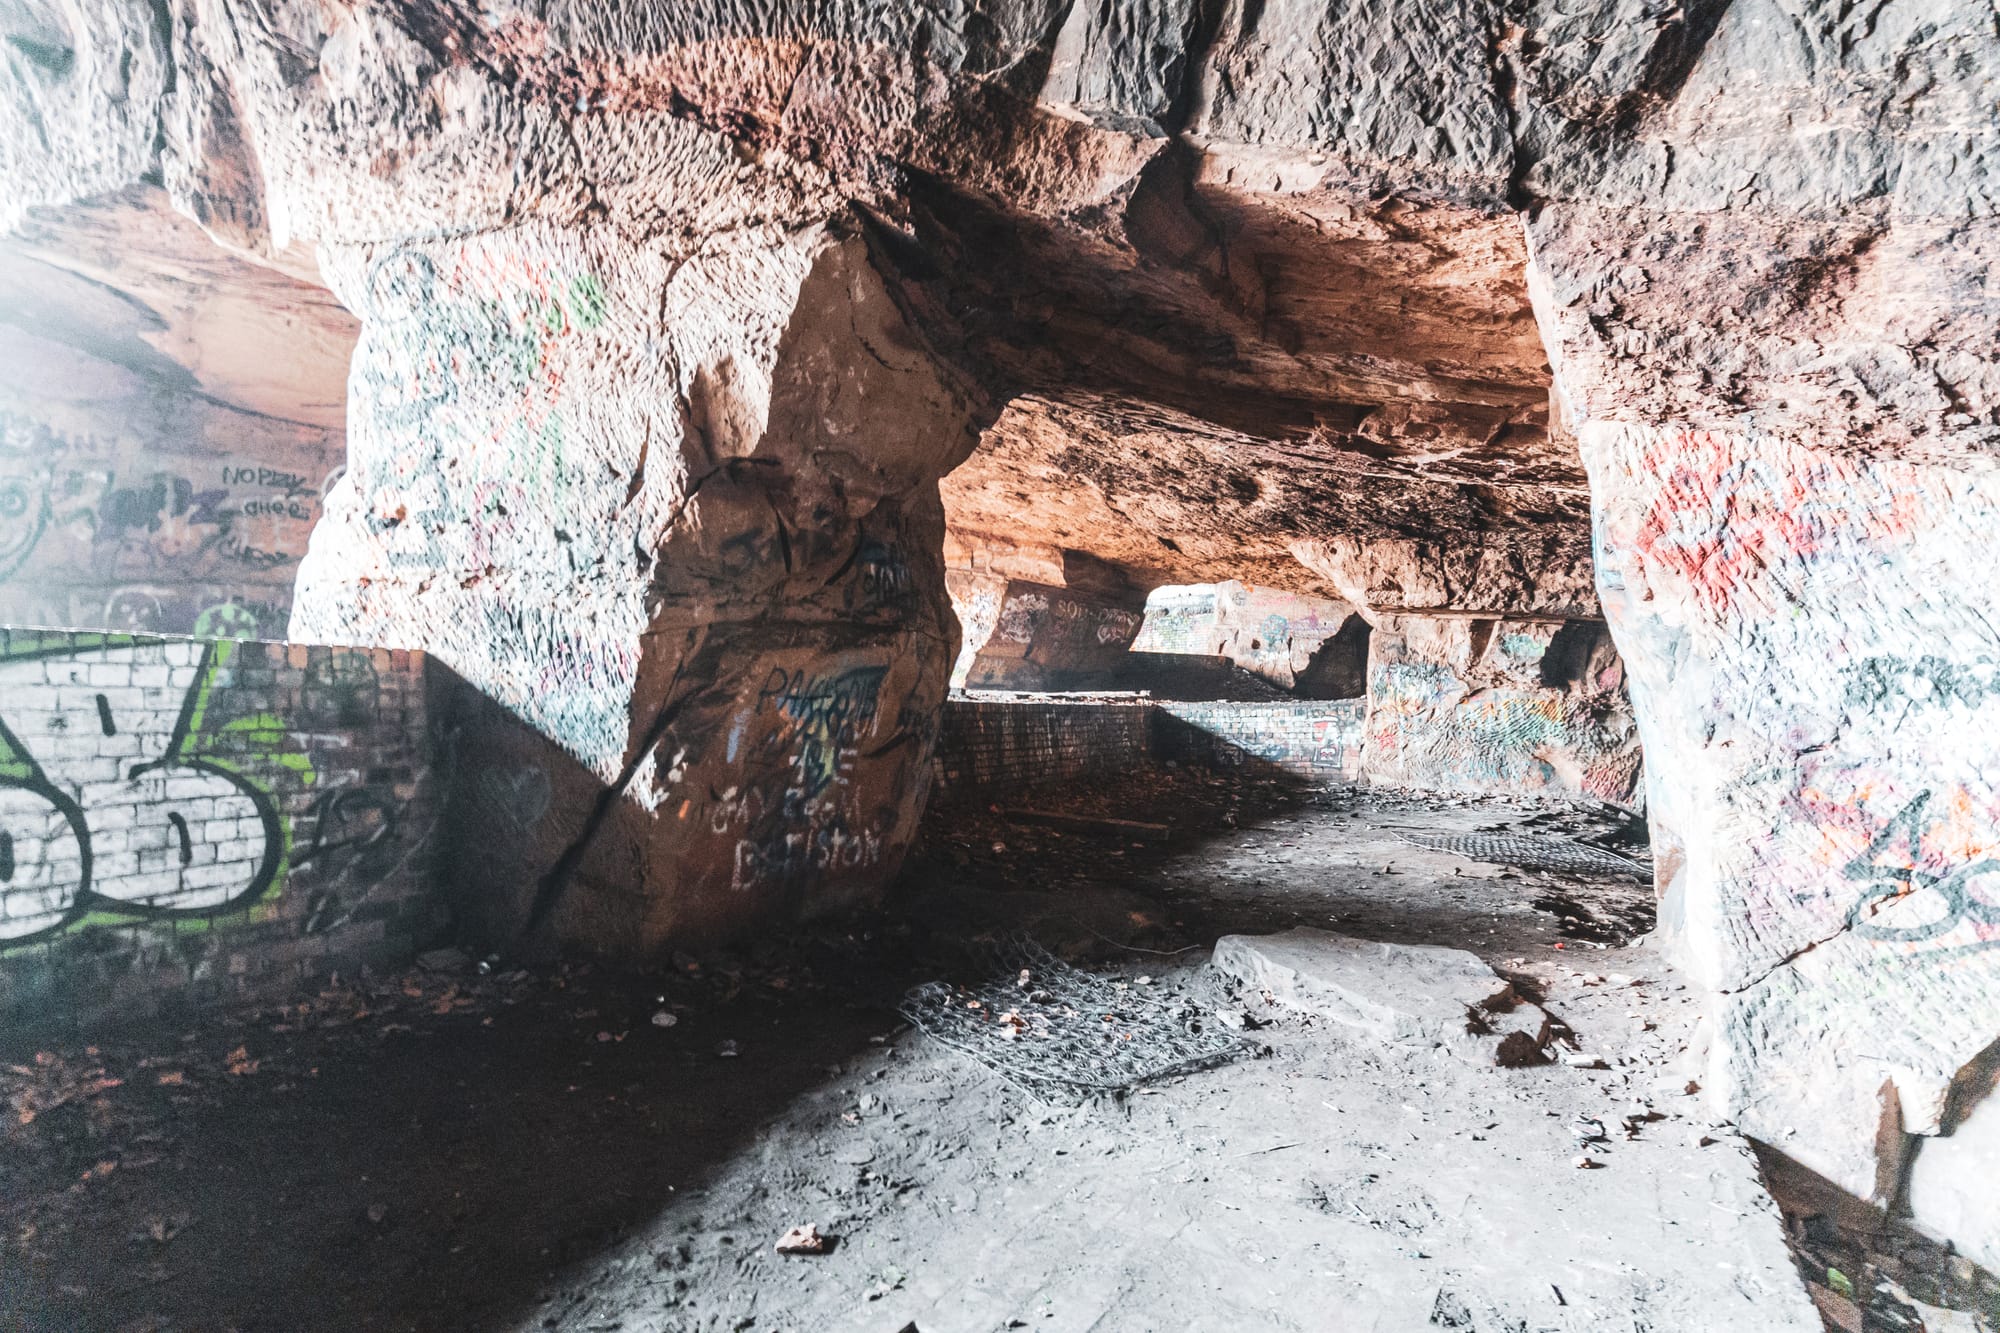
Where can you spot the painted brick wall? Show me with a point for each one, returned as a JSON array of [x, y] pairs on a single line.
[[1318, 739], [992, 746], [182, 819]]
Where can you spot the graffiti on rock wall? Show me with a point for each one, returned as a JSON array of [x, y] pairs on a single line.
[[798, 742], [1076, 629], [1426, 726], [1262, 630], [1909, 864], [257, 519], [1019, 614], [1178, 620], [882, 578], [1913, 887], [1865, 771], [232, 620], [566, 670], [1721, 521], [459, 360], [827, 714], [112, 795], [512, 798], [226, 521], [42, 492]]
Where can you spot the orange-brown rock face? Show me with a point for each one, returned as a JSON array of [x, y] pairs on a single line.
[[160, 468]]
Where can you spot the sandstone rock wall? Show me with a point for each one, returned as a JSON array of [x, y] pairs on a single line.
[[1274, 634], [1241, 291], [698, 555], [1809, 674], [164, 443], [1033, 636], [1480, 705], [1776, 352]]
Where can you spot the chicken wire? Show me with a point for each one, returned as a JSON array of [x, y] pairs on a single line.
[[1529, 853], [1063, 1035]]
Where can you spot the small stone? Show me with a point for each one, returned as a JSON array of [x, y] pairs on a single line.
[[1589, 1129], [804, 1239], [665, 1018], [444, 960], [1584, 1162], [726, 1049], [376, 1212], [1232, 1018]]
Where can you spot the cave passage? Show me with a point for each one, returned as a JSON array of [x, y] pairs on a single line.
[[688, 665]]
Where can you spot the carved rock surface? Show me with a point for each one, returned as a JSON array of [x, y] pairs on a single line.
[[715, 294], [700, 557]]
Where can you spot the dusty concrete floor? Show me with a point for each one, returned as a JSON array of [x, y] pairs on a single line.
[[524, 1151]]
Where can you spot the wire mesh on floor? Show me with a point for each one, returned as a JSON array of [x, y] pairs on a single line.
[[1528, 853], [1063, 1035]]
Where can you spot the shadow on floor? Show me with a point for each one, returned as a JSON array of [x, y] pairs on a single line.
[[437, 1151]]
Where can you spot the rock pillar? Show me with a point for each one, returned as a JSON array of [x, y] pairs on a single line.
[[1783, 419], [674, 521]]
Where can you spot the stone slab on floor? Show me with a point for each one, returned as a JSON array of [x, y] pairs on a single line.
[[1410, 994]]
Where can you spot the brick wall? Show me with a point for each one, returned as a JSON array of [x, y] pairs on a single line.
[[993, 746], [182, 819], [1319, 739]]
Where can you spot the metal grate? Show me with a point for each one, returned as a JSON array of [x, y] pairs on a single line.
[[1529, 853], [1063, 1035]]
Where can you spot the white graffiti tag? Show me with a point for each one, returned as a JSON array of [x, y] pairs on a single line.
[[99, 800]]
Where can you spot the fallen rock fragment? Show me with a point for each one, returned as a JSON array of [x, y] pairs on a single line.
[[1413, 994], [804, 1239]]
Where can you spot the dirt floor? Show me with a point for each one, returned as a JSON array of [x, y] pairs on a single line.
[[581, 1149]]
